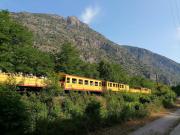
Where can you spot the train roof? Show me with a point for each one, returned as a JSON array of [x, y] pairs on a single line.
[[63, 74]]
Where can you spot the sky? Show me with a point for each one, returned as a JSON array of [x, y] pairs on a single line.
[[149, 24]]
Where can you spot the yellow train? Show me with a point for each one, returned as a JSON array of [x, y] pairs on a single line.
[[21, 80], [71, 82]]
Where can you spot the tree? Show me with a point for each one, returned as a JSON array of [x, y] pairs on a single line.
[[68, 60], [176, 89], [138, 81], [14, 117], [112, 72], [17, 53], [90, 70], [105, 70], [12, 33], [30, 60]]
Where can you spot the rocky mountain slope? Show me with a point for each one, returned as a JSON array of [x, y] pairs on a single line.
[[51, 31]]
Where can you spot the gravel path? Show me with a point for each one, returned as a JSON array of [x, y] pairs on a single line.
[[161, 126], [176, 130]]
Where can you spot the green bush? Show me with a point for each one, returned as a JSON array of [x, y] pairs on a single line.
[[74, 113], [176, 89], [168, 99], [92, 115], [167, 96], [141, 110], [114, 106], [14, 117], [37, 110], [130, 97]]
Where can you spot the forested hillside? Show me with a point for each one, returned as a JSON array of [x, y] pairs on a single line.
[[51, 31], [18, 54]]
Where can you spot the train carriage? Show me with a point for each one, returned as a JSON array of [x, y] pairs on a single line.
[[72, 82], [20, 80], [113, 86]]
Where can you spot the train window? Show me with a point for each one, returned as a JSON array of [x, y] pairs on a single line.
[[110, 84], [114, 85], [100, 84], [96, 83], [68, 80], [86, 82], [122, 86], [91, 83], [74, 80], [80, 81]]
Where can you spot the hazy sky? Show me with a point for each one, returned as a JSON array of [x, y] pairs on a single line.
[[150, 24]]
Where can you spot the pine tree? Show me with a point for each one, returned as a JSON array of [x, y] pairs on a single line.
[[68, 60]]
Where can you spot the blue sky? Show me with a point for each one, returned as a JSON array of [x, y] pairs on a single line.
[[150, 24]]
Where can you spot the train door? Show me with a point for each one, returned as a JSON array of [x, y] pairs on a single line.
[[104, 86], [62, 81]]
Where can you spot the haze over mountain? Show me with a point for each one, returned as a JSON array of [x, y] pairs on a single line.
[[51, 31]]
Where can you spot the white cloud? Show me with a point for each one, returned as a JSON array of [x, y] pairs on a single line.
[[89, 14]]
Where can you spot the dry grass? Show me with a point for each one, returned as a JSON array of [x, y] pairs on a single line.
[[132, 125]]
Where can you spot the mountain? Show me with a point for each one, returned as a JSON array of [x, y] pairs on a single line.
[[51, 31]]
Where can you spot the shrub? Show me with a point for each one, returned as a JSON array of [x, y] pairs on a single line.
[[92, 115], [141, 110], [14, 117], [37, 110], [168, 99], [166, 95], [130, 97], [114, 106]]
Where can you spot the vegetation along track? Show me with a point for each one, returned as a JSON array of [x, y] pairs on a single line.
[[165, 125]]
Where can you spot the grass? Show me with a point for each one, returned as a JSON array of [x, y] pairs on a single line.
[[131, 125]]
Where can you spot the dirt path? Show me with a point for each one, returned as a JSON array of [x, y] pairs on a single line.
[[176, 130], [161, 126]]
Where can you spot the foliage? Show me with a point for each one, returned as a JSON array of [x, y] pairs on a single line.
[[74, 113], [68, 60], [112, 72], [114, 106], [90, 70], [138, 81], [12, 33], [166, 94], [176, 89], [16, 51], [92, 115], [14, 117]]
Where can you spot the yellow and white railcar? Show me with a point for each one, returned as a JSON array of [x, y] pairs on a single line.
[[72, 82], [20, 80], [113, 86]]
